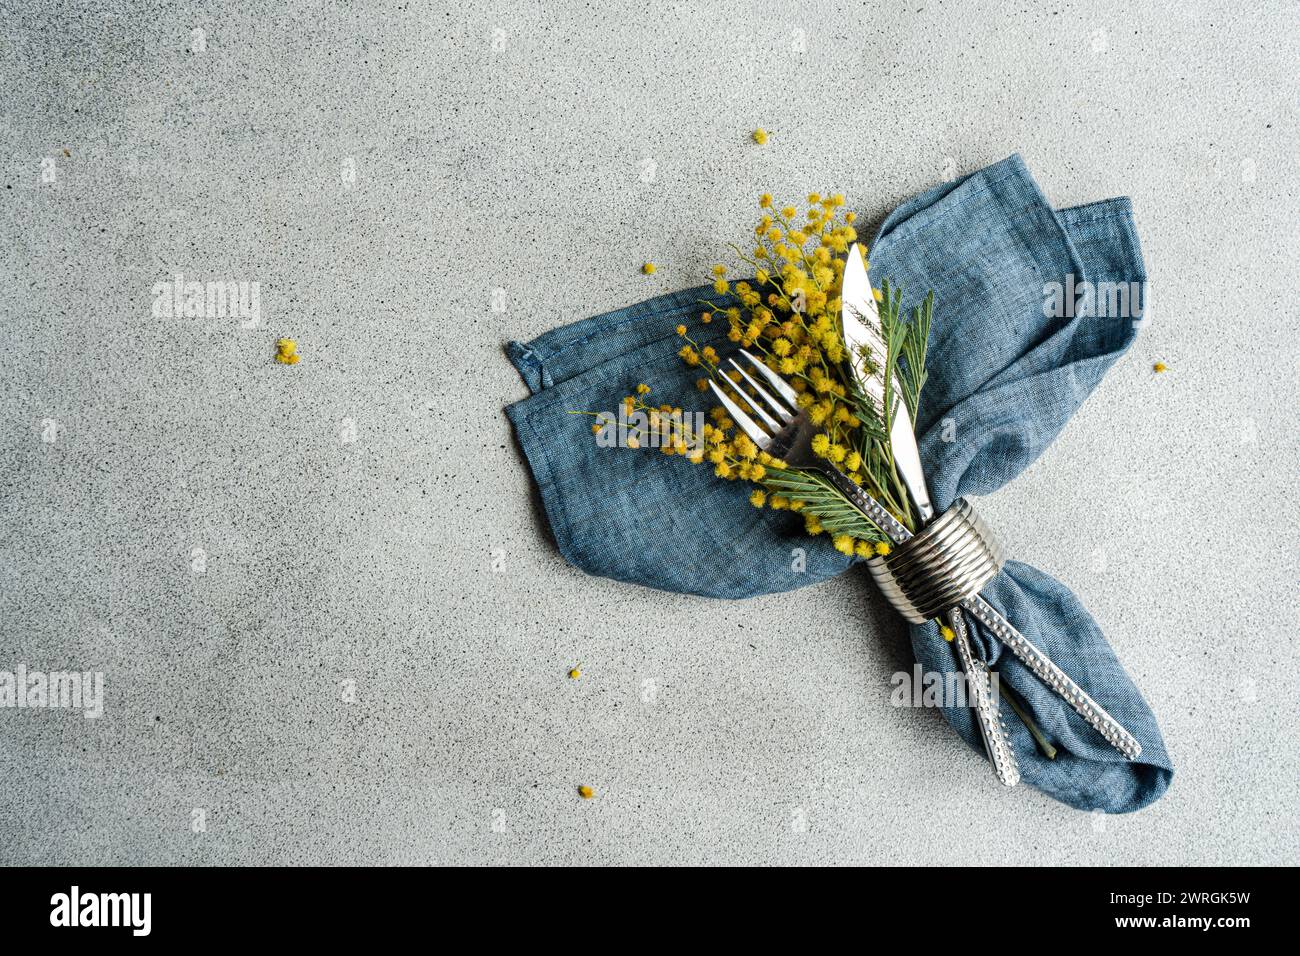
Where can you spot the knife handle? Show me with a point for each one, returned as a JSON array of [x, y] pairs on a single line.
[[987, 715]]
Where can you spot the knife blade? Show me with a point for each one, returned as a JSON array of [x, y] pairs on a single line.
[[864, 336]]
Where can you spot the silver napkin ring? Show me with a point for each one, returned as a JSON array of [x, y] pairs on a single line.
[[949, 560]]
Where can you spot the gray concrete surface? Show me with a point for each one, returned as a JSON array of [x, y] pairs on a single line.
[[502, 146]]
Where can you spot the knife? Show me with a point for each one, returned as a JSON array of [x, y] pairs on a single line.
[[864, 336]]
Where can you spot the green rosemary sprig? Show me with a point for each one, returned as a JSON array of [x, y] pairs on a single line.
[[823, 500]]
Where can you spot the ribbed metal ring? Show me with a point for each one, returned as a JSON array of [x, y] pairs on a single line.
[[950, 560]]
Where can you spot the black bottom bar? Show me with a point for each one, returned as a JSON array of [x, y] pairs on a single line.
[[934, 904]]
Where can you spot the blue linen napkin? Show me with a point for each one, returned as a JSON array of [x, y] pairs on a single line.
[[1004, 378]]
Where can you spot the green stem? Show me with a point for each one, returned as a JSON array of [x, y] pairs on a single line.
[[909, 517], [1039, 737]]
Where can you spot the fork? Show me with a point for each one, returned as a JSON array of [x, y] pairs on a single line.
[[789, 437], [787, 432]]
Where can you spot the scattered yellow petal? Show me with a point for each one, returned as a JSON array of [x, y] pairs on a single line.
[[760, 136], [1160, 367], [586, 792], [575, 674], [877, 294], [947, 632], [648, 268], [286, 352]]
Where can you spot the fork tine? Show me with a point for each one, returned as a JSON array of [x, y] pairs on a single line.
[[773, 425], [776, 381], [785, 413], [747, 424]]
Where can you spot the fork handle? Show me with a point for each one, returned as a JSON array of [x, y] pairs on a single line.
[[868, 505], [1054, 677], [987, 715]]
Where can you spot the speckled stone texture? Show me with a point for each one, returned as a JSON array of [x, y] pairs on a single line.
[[366, 661]]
